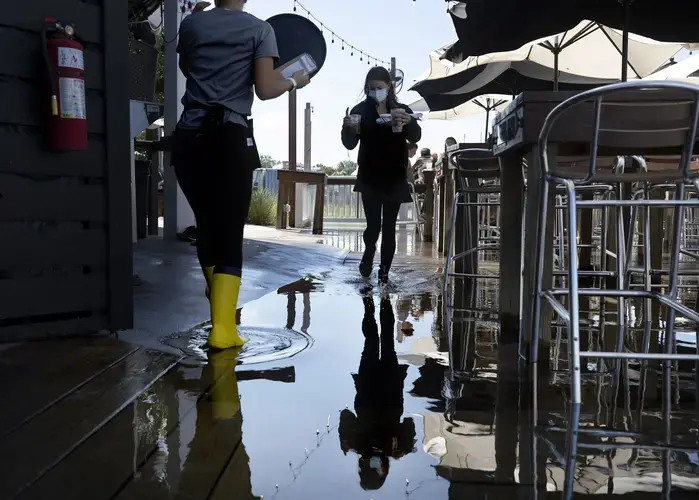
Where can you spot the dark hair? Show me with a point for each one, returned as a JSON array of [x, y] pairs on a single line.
[[412, 145], [381, 74]]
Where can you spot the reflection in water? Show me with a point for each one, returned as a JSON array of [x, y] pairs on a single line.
[[376, 433], [219, 430], [304, 287], [482, 432]]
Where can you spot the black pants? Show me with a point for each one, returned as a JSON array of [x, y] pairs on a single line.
[[376, 225], [214, 167]]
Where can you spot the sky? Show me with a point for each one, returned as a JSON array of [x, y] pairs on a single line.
[[405, 29]]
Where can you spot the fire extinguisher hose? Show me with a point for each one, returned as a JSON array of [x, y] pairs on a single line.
[[50, 73]]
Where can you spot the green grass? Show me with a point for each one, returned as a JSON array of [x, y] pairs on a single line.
[[263, 208]]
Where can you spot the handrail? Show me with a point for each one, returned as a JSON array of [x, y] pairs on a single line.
[[341, 180]]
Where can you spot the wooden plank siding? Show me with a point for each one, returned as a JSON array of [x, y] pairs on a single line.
[[65, 222]]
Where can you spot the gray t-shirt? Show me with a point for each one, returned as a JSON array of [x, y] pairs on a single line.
[[217, 51]]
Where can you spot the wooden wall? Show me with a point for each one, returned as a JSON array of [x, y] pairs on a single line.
[[65, 222]]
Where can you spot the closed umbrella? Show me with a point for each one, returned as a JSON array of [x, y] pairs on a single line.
[[482, 104], [484, 26]]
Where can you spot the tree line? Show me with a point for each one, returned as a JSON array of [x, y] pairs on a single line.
[[345, 167]]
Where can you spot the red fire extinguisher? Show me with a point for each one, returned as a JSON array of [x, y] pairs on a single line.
[[65, 63]]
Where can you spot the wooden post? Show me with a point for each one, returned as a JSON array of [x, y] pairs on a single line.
[[449, 194], [428, 204], [319, 208], [282, 198], [441, 196], [291, 189], [292, 130], [307, 138]]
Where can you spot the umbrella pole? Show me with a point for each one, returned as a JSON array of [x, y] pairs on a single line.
[[625, 43], [487, 122], [555, 70]]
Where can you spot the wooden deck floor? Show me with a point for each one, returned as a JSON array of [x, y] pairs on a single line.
[[103, 419]]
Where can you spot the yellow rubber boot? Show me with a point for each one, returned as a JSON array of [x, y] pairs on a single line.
[[224, 302], [225, 399], [209, 277]]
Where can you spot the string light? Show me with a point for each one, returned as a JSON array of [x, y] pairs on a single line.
[[324, 27]]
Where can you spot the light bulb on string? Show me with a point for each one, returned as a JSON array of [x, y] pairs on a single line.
[[332, 36]]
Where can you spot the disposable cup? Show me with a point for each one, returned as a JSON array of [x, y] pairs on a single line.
[[397, 126], [356, 123]]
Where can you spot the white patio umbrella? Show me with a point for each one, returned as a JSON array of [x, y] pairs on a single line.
[[508, 74], [589, 50], [439, 67], [482, 104], [686, 70], [593, 49]]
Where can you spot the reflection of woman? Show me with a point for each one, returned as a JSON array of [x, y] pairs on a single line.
[[382, 159], [223, 53], [377, 433], [219, 427]]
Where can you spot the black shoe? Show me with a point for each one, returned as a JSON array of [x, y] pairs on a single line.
[[367, 264], [383, 275]]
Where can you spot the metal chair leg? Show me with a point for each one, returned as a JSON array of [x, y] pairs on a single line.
[[539, 273]]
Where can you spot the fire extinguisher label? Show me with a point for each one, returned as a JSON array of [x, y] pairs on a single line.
[[72, 98], [70, 58]]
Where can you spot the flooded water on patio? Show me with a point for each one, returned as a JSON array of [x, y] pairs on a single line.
[[353, 398]]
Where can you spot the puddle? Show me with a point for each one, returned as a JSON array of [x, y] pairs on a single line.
[[264, 344], [345, 391]]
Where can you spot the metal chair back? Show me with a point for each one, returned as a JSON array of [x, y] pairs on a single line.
[[474, 165], [630, 118]]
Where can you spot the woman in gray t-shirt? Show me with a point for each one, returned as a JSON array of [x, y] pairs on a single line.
[[226, 55]]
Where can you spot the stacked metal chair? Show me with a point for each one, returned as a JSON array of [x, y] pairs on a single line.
[[478, 188], [681, 127]]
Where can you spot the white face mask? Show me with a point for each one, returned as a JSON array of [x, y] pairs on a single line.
[[379, 95]]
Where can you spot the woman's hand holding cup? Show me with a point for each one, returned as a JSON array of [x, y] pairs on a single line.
[[399, 119], [353, 122]]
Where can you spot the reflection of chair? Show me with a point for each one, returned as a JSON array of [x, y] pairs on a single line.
[[478, 195], [647, 124]]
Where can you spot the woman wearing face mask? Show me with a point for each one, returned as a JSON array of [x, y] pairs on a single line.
[[382, 158]]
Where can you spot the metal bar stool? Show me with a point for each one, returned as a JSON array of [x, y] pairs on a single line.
[[665, 124], [478, 175], [417, 193]]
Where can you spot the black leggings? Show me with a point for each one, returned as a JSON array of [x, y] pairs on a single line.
[[373, 208], [214, 169]]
